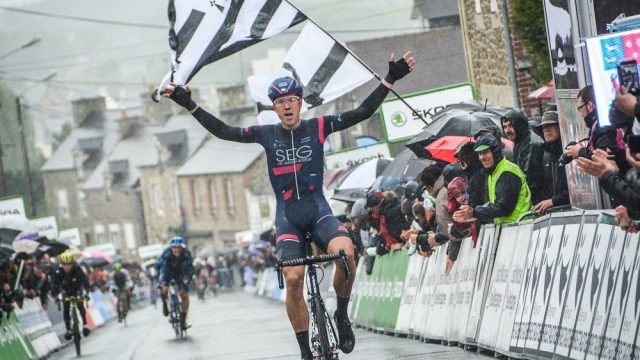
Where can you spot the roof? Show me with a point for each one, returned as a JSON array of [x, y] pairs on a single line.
[[133, 151], [219, 157], [97, 125]]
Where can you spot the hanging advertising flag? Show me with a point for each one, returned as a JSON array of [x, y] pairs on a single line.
[[70, 237]]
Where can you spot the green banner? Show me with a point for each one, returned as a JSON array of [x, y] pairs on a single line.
[[14, 344]]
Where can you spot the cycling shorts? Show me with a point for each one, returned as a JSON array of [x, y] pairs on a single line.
[[178, 277], [288, 237]]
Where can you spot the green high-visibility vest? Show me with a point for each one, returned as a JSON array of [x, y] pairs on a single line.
[[524, 197]]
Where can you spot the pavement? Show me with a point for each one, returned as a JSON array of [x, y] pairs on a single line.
[[235, 325]]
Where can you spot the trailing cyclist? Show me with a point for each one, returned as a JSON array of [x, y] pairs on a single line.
[[295, 160], [70, 280], [176, 264], [120, 281]]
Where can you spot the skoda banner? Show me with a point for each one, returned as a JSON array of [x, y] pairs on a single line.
[[400, 122], [70, 237], [350, 158]]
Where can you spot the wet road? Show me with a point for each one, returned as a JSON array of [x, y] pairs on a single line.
[[235, 325]]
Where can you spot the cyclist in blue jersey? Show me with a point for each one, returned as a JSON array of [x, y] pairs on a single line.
[[176, 264], [295, 160]]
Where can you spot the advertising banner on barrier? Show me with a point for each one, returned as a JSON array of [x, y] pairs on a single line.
[[613, 347], [593, 283], [558, 285], [512, 294], [428, 291], [409, 294], [485, 265], [465, 273], [527, 292], [46, 226], [434, 327], [498, 285], [420, 309], [12, 206]]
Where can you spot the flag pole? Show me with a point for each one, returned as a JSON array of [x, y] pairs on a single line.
[[415, 112]]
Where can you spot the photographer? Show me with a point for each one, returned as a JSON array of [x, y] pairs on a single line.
[[600, 137]]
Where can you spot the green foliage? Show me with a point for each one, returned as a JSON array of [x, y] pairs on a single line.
[[528, 24]]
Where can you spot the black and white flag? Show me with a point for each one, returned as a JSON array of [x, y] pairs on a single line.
[[204, 31], [325, 68]]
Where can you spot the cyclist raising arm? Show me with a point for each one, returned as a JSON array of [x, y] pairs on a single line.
[[70, 280], [295, 160]]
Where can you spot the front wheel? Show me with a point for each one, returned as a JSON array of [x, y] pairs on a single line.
[[325, 350], [76, 333]]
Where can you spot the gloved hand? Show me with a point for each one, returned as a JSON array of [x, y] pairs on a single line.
[[399, 69], [181, 95]]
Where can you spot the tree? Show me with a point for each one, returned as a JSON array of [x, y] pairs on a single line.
[[528, 24]]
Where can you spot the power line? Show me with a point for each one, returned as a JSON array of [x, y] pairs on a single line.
[[85, 19], [107, 83], [94, 64]]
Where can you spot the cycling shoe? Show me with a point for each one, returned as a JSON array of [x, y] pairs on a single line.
[[347, 338], [85, 331]]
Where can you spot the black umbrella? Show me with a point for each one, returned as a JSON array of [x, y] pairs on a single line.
[[452, 122], [53, 247], [6, 250], [7, 235], [406, 164]]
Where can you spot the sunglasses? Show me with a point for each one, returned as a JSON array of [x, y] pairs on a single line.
[[289, 99]]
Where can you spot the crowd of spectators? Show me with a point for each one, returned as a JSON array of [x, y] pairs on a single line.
[[494, 183]]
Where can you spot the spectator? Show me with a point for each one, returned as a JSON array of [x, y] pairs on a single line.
[[528, 150], [556, 189], [474, 173], [386, 212], [509, 195], [432, 179], [600, 137], [456, 192], [507, 152]]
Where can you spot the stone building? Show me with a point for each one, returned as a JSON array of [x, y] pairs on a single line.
[[173, 144], [224, 190], [497, 63], [67, 169]]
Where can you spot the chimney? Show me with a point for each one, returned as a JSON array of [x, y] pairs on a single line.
[[157, 113], [83, 107], [128, 126]]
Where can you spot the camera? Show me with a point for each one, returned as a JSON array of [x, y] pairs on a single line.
[[566, 159]]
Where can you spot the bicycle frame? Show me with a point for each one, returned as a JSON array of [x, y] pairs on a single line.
[[324, 338], [175, 310], [73, 309]]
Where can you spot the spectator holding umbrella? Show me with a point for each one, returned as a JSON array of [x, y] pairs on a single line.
[[509, 194]]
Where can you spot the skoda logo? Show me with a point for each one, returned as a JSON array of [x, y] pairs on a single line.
[[398, 119]]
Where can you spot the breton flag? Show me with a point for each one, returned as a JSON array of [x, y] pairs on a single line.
[[325, 68], [206, 31]]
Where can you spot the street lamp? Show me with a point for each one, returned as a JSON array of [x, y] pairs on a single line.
[[25, 154], [34, 40]]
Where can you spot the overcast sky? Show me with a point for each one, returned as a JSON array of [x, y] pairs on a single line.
[[90, 58]]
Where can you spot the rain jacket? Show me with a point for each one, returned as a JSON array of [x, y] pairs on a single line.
[[509, 192], [391, 221], [555, 178], [605, 137], [443, 219], [527, 153], [623, 190]]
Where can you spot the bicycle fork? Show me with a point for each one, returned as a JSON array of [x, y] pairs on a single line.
[[318, 309]]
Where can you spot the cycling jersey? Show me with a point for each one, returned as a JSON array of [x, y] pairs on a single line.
[[70, 283], [295, 160], [178, 268]]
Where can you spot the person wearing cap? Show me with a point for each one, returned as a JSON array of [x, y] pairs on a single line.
[[295, 162], [556, 189], [507, 152], [509, 194], [528, 150]]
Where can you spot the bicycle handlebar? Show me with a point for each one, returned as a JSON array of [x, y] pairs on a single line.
[[310, 260]]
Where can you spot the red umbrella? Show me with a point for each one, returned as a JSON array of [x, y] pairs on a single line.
[[444, 148]]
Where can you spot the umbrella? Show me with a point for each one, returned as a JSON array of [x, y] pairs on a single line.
[[406, 164], [363, 175], [444, 148], [6, 251], [26, 242], [452, 122], [12, 225], [97, 258], [53, 247]]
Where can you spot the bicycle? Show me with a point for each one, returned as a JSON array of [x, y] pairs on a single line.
[[324, 342], [175, 311], [73, 308], [123, 307]]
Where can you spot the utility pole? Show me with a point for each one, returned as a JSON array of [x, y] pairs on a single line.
[[25, 158], [3, 182]]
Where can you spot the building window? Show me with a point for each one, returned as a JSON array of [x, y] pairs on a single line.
[[195, 198], [213, 199], [478, 7], [114, 235], [63, 203], [99, 230], [130, 236], [263, 202], [82, 204], [228, 197], [157, 199]]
